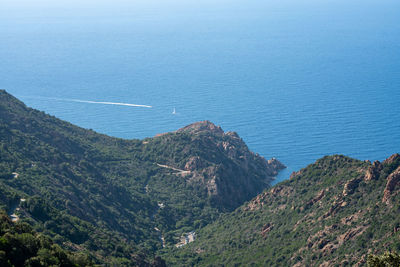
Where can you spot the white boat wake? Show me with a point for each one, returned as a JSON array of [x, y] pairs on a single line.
[[92, 102], [107, 103]]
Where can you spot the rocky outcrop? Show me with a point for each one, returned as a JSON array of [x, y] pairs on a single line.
[[269, 196], [280, 191], [275, 164], [373, 171], [335, 207], [392, 159], [256, 203], [201, 127], [351, 234], [295, 174], [348, 220], [320, 240], [266, 229], [222, 164], [194, 163], [317, 198], [351, 186], [393, 181]]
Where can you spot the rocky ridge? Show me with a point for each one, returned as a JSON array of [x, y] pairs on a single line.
[[121, 201], [226, 168], [333, 212]]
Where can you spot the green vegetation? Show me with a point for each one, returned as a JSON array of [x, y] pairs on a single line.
[[80, 198], [112, 198], [332, 212], [21, 246], [389, 259]]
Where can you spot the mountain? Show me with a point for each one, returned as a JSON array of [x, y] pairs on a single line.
[[72, 196], [332, 213], [120, 201]]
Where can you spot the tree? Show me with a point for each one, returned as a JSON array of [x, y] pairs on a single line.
[[388, 259]]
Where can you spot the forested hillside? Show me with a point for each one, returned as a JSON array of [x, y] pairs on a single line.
[[334, 212], [73, 197], [20, 245], [120, 201]]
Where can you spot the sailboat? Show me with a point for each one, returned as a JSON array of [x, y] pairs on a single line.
[[174, 111]]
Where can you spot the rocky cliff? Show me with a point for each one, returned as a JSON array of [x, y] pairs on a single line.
[[230, 172], [119, 200], [332, 213]]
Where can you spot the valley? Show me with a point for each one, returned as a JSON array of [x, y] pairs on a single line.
[[112, 198], [194, 197]]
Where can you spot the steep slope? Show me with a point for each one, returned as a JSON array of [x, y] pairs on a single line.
[[121, 200], [333, 212], [218, 162], [21, 246]]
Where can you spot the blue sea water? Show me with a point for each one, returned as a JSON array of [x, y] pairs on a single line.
[[297, 79]]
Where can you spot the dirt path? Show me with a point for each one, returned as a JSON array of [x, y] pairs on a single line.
[[179, 171]]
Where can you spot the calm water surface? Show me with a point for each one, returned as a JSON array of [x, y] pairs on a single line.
[[296, 79]]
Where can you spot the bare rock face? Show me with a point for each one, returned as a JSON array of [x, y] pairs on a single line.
[[276, 164], [266, 229], [194, 163], [295, 174], [224, 165], [338, 204], [373, 171], [269, 196], [202, 126], [317, 198], [392, 158], [393, 181], [351, 234], [351, 186]]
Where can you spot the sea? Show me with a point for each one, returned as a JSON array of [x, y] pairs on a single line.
[[296, 79]]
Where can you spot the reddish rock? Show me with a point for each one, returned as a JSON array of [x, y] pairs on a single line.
[[351, 186], [391, 159], [337, 204], [393, 181], [352, 218], [194, 163], [317, 198], [232, 134], [256, 203], [266, 229], [242, 175], [160, 134], [295, 174], [202, 126], [373, 171], [275, 192], [351, 234]]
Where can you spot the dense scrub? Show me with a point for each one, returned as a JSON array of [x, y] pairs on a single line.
[[115, 199], [334, 212], [22, 246]]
